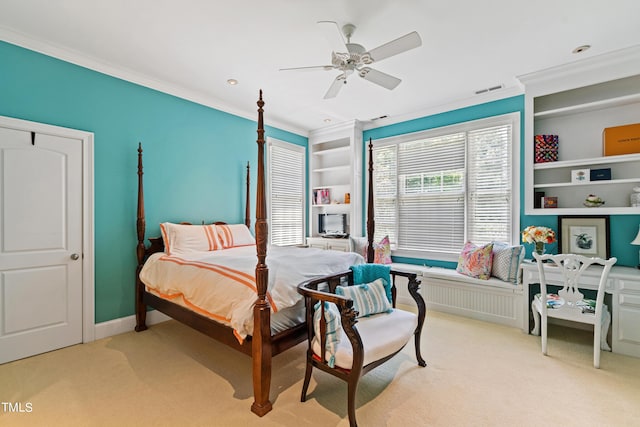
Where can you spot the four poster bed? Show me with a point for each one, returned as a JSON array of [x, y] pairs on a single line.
[[261, 334]]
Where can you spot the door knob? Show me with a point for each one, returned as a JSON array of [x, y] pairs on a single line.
[[75, 256]]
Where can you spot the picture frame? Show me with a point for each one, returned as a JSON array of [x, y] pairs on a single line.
[[584, 235], [321, 196], [580, 176]]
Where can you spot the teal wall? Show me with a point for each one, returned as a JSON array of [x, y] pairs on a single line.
[[194, 156], [623, 228]]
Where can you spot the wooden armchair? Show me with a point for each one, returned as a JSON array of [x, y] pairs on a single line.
[[346, 344]]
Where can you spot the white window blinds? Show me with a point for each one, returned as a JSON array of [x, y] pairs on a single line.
[[434, 193], [286, 190], [490, 179], [431, 184]]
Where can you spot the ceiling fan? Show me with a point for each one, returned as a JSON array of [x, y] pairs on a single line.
[[350, 57]]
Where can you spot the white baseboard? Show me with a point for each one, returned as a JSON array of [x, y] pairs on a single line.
[[126, 324]]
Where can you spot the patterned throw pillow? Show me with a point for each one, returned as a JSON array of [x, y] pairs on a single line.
[[368, 298], [506, 261], [332, 318], [475, 261], [382, 251]]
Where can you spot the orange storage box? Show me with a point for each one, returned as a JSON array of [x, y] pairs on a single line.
[[621, 140]]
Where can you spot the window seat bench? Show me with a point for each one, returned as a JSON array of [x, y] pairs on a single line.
[[446, 290]]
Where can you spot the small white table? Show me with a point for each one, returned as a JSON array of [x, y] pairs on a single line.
[[624, 287]]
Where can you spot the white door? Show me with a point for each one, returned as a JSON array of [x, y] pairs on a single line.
[[40, 243]]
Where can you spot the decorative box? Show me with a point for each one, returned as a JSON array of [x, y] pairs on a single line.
[[621, 140], [600, 174], [550, 202], [545, 148]]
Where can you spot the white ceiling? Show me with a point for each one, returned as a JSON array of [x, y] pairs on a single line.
[[190, 48]]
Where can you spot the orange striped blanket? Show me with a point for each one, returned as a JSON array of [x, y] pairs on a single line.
[[221, 284]]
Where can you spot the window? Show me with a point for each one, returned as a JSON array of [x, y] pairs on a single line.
[[285, 192], [437, 189]]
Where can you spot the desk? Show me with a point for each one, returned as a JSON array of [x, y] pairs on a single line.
[[623, 285]]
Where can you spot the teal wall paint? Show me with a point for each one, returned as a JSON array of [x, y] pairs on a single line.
[[194, 156], [623, 228]]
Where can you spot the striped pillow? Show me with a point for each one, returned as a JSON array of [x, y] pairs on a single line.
[[334, 327], [234, 235], [368, 298], [183, 238]]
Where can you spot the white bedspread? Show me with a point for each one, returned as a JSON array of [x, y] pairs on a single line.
[[221, 284]]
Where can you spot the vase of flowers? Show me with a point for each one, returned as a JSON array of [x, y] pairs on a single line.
[[539, 236]]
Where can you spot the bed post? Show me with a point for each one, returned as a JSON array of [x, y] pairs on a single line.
[[261, 339], [141, 308], [247, 204], [370, 214]]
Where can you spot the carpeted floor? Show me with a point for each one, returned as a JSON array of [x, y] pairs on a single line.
[[478, 374]]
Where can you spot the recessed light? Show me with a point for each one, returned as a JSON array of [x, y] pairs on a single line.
[[581, 49], [327, 120], [232, 82]]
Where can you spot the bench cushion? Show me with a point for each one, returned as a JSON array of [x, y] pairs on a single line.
[[382, 334], [454, 276]]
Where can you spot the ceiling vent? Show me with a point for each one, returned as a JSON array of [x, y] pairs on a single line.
[[489, 89]]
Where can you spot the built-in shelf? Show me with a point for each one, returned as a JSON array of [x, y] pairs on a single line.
[[586, 162], [588, 184], [335, 164], [589, 106], [577, 103], [602, 210], [332, 169], [331, 151]]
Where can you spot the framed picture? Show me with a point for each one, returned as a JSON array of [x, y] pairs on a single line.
[[584, 235], [580, 176], [321, 196]]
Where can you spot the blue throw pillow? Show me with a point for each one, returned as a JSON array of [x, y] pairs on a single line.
[[368, 298]]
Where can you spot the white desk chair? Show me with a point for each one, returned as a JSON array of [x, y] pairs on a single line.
[[569, 302]]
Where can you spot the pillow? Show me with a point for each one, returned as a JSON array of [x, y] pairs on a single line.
[[234, 235], [365, 273], [506, 261], [359, 245], [182, 238], [382, 251], [475, 261], [368, 298], [332, 317]]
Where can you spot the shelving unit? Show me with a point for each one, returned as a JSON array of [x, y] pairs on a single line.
[[335, 164], [577, 102]]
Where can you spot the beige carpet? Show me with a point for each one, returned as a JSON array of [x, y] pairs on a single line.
[[478, 374]]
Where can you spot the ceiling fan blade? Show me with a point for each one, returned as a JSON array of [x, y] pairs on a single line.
[[333, 35], [394, 47], [378, 77], [311, 68], [336, 86]]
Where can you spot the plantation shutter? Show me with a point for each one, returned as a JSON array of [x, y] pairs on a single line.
[[431, 188], [489, 184], [286, 187]]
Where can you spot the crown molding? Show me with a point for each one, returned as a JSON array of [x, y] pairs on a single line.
[[80, 59], [444, 108], [612, 65]]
